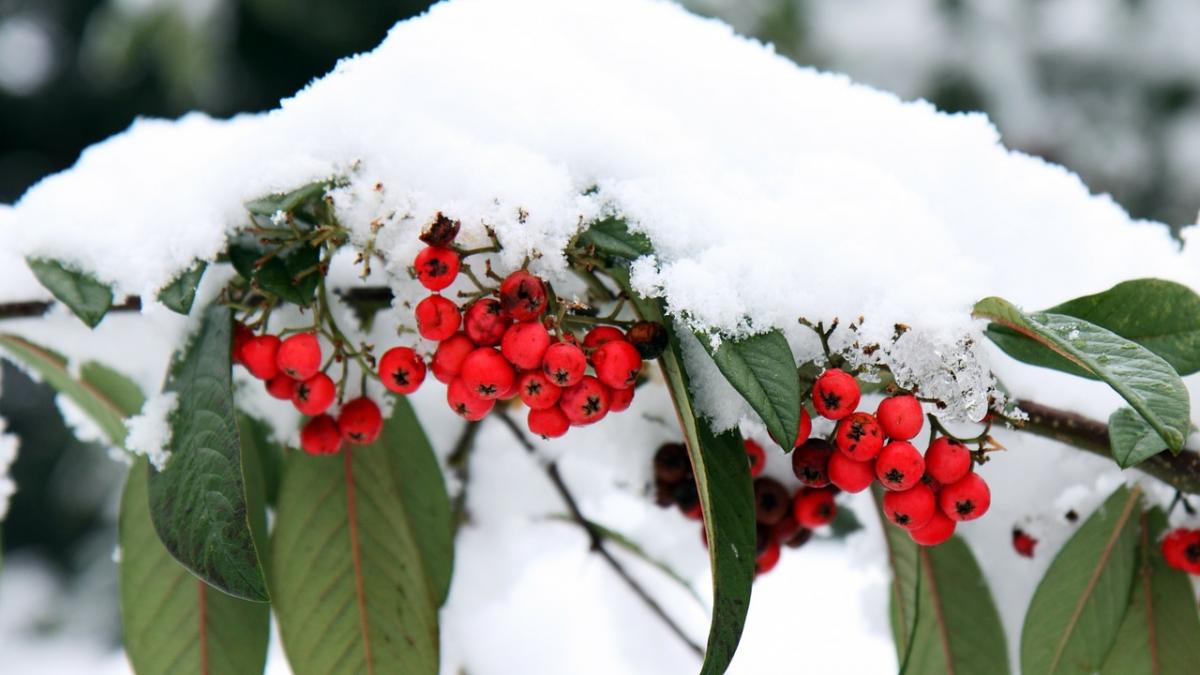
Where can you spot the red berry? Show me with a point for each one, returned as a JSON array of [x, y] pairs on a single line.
[[564, 364], [485, 322], [937, 530], [967, 499], [805, 429], [765, 562], [523, 295], [617, 364], [600, 335], [299, 356], [548, 422], [448, 358], [786, 529], [512, 392], [281, 387], [619, 399], [771, 501], [401, 370], [360, 421], [436, 267], [320, 436], [649, 338], [465, 403], [810, 462], [947, 460], [758, 458], [586, 402], [899, 466], [314, 395], [835, 394], [258, 355], [693, 511], [672, 464], [241, 335], [911, 508], [859, 436], [537, 391], [437, 318], [850, 475], [524, 344], [487, 373], [900, 416], [1181, 550], [1023, 543], [814, 508]]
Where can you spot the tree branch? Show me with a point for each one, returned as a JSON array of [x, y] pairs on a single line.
[[459, 463], [358, 296]]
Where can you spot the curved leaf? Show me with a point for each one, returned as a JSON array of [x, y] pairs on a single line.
[[1079, 603], [179, 295], [286, 201], [290, 273], [1130, 439], [763, 370], [89, 299]]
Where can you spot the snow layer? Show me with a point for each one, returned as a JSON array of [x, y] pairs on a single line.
[[150, 431]]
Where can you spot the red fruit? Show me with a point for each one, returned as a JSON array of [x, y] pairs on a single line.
[[401, 370], [765, 562], [299, 356], [859, 436], [617, 364], [758, 458], [786, 528], [810, 462], [672, 464], [649, 338], [537, 391], [320, 436], [564, 364], [281, 387], [437, 318], [899, 466], [805, 429], [947, 460], [1023, 543], [1181, 550], [850, 475], [771, 501], [586, 402], [485, 322], [512, 392], [619, 399], [523, 295], [448, 358], [258, 355], [436, 267], [694, 511], [967, 499], [487, 373], [241, 335], [524, 344], [900, 417], [835, 394], [548, 422], [910, 509], [600, 335], [314, 395], [360, 421], [465, 403], [814, 508], [937, 530]]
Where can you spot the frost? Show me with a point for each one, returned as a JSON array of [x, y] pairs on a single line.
[[8, 455], [150, 431]]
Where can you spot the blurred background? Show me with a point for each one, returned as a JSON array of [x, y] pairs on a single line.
[[1106, 87]]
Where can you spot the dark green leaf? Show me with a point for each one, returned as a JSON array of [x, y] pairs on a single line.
[[1079, 603], [198, 501], [1131, 440], [762, 369], [844, 523], [290, 274], [1143, 379], [179, 295], [269, 205], [614, 242], [89, 299]]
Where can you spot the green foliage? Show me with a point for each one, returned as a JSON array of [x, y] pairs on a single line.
[[762, 369], [179, 295], [89, 299], [289, 274], [288, 201], [1130, 439]]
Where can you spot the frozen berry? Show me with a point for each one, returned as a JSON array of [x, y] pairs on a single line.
[[1023, 543], [850, 475], [835, 394], [564, 364], [671, 463], [758, 458], [814, 508], [523, 295], [937, 530], [601, 334], [619, 399], [360, 421], [967, 499], [585, 402], [320, 436], [548, 422], [465, 403], [448, 358], [281, 387], [299, 356], [401, 370], [241, 335], [899, 466], [617, 364], [947, 460], [765, 562], [859, 436], [436, 267], [810, 462], [314, 395], [524, 344], [900, 417], [911, 508], [649, 338], [487, 373], [437, 318], [485, 323], [1181, 550], [441, 232], [258, 355], [771, 500]]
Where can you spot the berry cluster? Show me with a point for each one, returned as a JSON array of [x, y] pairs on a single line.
[[1181, 550]]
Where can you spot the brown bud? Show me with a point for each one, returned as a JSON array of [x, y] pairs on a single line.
[[441, 232], [648, 337]]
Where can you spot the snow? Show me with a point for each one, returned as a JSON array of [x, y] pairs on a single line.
[[150, 431]]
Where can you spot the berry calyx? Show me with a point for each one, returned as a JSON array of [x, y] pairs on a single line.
[[859, 436], [900, 417], [617, 364], [649, 338], [810, 462], [910, 509], [360, 421], [814, 508], [401, 370], [771, 501], [936, 531], [585, 402], [537, 391], [524, 344], [465, 403], [437, 318], [850, 475], [487, 373], [258, 355], [756, 456], [619, 399], [967, 499], [564, 364], [600, 335], [899, 466], [281, 387], [448, 358], [436, 267], [548, 422], [320, 436], [485, 322], [947, 460], [523, 295], [835, 394], [314, 395], [299, 356], [241, 335]]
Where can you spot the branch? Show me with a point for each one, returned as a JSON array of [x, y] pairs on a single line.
[[596, 538], [459, 464], [359, 296]]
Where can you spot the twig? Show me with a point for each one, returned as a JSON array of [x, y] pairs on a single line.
[[459, 464], [24, 309]]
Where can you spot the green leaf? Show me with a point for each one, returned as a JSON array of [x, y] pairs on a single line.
[[1159, 631], [269, 205], [89, 299], [172, 622], [1079, 603], [844, 523], [762, 369], [289, 274], [350, 590], [612, 239], [1130, 439], [198, 501], [1144, 380], [179, 295]]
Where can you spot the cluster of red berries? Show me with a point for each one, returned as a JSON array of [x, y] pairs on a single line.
[[927, 495], [1181, 550], [291, 369]]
